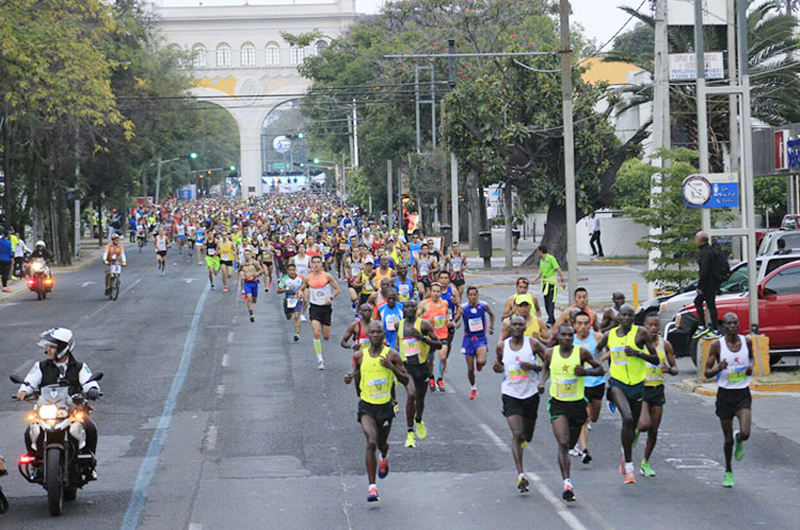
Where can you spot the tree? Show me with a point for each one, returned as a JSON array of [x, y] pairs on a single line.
[[770, 196], [632, 188]]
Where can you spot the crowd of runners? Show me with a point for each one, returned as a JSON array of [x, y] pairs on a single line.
[[409, 298]]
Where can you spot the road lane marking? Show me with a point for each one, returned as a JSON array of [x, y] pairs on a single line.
[[102, 307], [150, 463], [230, 337], [495, 438], [211, 438], [195, 526], [220, 391], [226, 360]]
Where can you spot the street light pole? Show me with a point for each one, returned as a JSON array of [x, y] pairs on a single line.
[[569, 144]]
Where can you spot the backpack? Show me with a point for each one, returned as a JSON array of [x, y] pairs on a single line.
[[722, 270]]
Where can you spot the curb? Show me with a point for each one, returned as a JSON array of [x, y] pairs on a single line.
[[605, 262], [776, 387], [758, 390]]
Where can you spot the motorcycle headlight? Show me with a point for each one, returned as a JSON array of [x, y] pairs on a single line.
[[48, 412], [37, 267]]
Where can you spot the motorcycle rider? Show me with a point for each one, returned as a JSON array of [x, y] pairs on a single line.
[[40, 251], [114, 251], [58, 344]]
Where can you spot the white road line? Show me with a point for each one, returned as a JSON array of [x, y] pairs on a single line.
[[220, 390], [562, 512], [195, 526], [226, 360], [230, 337], [102, 307], [211, 438]]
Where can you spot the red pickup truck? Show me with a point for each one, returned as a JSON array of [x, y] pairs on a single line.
[[778, 314]]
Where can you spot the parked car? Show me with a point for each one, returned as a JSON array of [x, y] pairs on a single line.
[[790, 221], [737, 283], [769, 244], [778, 315]]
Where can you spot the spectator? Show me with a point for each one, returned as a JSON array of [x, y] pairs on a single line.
[[548, 268], [6, 257], [708, 282], [594, 235], [19, 258], [782, 250]]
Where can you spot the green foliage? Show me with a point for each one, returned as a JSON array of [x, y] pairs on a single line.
[[637, 45], [770, 194], [678, 222], [632, 189]]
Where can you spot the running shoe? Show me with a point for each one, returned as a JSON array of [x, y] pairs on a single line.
[[473, 393], [212, 287], [587, 458], [712, 334], [630, 479], [6, 290], [522, 483], [224, 289], [524, 444], [422, 432], [612, 408], [296, 337], [699, 332], [372, 494], [728, 481], [738, 451], [320, 364], [303, 318], [410, 439], [569, 493], [383, 467], [576, 451], [441, 385], [252, 318], [646, 470], [635, 438], [395, 405], [432, 384], [478, 367]]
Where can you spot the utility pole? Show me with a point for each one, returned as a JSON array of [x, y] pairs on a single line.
[[158, 179], [702, 114], [456, 227], [389, 193], [507, 207], [355, 135], [569, 144]]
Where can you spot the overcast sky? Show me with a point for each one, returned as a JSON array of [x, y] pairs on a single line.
[[600, 18]]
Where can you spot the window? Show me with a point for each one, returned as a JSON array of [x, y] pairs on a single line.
[[737, 283], [248, 54], [223, 55], [785, 282], [297, 54], [200, 56], [273, 54], [320, 46]]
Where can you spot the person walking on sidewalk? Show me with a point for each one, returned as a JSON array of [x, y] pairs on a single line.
[[594, 235], [709, 278], [6, 257], [548, 268]]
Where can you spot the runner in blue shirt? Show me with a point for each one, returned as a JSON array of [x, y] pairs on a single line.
[[403, 284], [475, 344], [391, 314]]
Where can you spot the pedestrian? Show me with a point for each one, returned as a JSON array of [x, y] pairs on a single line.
[[708, 282], [6, 257], [594, 235], [782, 250], [548, 268]]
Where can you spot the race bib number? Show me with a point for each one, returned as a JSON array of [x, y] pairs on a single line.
[[736, 374], [439, 321], [654, 373], [411, 346], [116, 269], [378, 388], [517, 374], [618, 356], [475, 324], [404, 289], [291, 303], [391, 322], [567, 388], [319, 296]]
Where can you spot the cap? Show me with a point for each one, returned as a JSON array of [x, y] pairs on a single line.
[[523, 299]]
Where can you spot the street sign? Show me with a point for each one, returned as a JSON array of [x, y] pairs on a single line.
[[711, 190], [282, 144], [683, 66], [281, 166]]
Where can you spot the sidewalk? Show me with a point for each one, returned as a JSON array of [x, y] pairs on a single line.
[[90, 251]]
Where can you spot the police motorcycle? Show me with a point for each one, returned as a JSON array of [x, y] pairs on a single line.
[[39, 280], [56, 435]]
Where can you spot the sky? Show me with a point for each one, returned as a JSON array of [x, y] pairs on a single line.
[[599, 18]]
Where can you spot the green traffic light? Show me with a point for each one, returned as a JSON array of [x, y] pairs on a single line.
[[193, 156], [301, 135], [233, 168], [316, 160]]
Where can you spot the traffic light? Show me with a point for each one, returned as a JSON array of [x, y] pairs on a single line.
[[233, 168], [193, 155], [209, 172], [301, 135], [316, 160]]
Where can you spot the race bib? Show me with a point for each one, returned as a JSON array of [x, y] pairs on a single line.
[[517, 374], [378, 388], [291, 303], [439, 321], [567, 388], [411, 346], [736, 374], [391, 322], [404, 289], [475, 324], [618, 356], [116, 269], [319, 296], [654, 373], [423, 270]]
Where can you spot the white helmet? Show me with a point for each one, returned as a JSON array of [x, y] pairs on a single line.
[[40, 243], [61, 338], [115, 236]]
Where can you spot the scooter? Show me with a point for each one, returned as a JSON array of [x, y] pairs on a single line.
[[56, 435], [40, 281]]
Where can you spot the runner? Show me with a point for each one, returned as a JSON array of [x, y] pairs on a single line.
[[475, 343], [180, 235], [593, 386], [352, 269], [191, 236], [292, 286], [629, 347], [730, 360], [416, 338], [391, 314], [581, 303], [522, 288], [435, 310], [161, 245], [403, 284], [534, 326], [654, 397], [520, 389], [357, 330], [249, 273], [567, 403], [265, 255], [425, 266], [141, 233], [367, 283], [375, 368], [453, 299], [548, 268], [227, 253], [212, 258], [200, 239], [456, 262], [322, 289], [611, 314]]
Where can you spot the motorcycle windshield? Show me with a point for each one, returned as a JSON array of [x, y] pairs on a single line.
[[56, 395]]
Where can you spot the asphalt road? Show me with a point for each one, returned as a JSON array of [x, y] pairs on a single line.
[[212, 422]]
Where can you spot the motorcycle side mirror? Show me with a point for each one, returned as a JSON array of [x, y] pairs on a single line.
[[96, 377], [17, 379]]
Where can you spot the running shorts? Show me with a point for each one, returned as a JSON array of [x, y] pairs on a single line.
[[363, 298], [632, 392], [182, 238], [289, 310], [162, 253], [227, 263], [320, 313], [212, 262], [251, 288], [383, 414], [729, 402], [457, 278], [654, 395], [471, 344], [527, 408], [419, 373], [595, 393], [574, 411]]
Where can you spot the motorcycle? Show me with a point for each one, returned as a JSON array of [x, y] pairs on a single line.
[[57, 435], [113, 280], [39, 279], [21, 265]]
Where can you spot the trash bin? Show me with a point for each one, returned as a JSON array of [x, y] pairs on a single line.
[[485, 244], [447, 234]]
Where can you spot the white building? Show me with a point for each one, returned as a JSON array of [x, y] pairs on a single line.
[[242, 63]]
